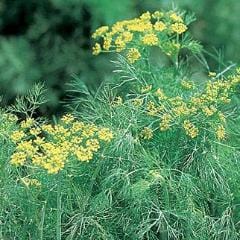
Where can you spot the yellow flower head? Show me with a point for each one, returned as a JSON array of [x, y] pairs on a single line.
[[17, 136], [150, 39], [152, 109], [190, 129], [165, 122], [127, 36], [120, 44], [107, 43], [29, 182], [137, 102], [222, 117], [133, 55], [93, 145], [84, 154], [100, 32], [157, 15], [35, 131], [212, 74], [176, 18], [18, 158], [146, 89], [68, 118], [51, 146], [145, 16], [179, 28], [27, 123], [96, 49], [187, 84], [146, 133], [118, 101], [220, 132], [105, 134], [160, 94], [209, 111], [160, 26]]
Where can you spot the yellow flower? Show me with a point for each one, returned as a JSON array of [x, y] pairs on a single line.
[[209, 111], [39, 141], [27, 123], [152, 110], [182, 109], [35, 131], [100, 32], [220, 132], [105, 134], [84, 154], [146, 89], [127, 36], [221, 117], [118, 101], [107, 43], [54, 159], [96, 49], [52, 146], [17, 136], [146, 133], [133, 55], [48, 128], [176, 18], [137, 102], [139, 25], [27, 147], [93, 145], [145, 16], [160, 94], [157, 15], [165, 122], [212, 74], [30, 182], [179, 28], [150, 39], [187, 84], [120, 44], [89, 130], [39, 159], [68, 118], [10, 117], [160, 26], [77, 126], [18, 158], [117, 27], [190, 129]]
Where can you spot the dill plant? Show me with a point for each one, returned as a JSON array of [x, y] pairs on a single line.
[[170, 169]]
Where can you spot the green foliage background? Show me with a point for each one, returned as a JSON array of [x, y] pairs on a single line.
[[50, 40]]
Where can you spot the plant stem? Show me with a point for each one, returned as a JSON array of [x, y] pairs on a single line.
[[59, 209], [42, 220]]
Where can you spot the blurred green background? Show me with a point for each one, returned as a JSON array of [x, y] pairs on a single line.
[[50, 40]]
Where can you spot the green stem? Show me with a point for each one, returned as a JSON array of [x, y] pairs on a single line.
[[59, 210], [42, 220]]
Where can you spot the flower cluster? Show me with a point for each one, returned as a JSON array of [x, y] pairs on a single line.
[[146, 133], [51, 146], [206, 104], [159, 29], [200, 110], [190, 129], [30, 182]]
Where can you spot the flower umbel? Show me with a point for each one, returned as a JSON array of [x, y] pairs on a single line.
[[51, 146]]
